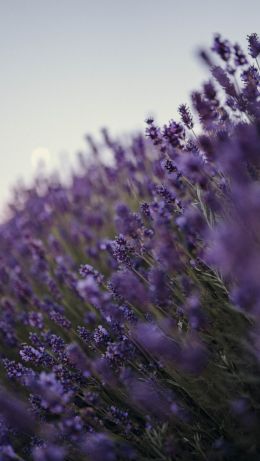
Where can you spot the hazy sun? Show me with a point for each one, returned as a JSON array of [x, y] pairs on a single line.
[[40, 157]]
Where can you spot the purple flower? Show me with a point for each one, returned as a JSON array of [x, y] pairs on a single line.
[[31, 354], [127, 223], [15, 370], [127, 285], [224, 81], [52, 394], [159, 287], [222, 48], [186, 116], [240, 57], [100, 336], [174, 134], [57, 344], [87, 269], [35, 319], [60, 319], [157, 343], [203, 107], [90, 291], [7, 453], [253, 45], [16, 413], [49, 453], [99, 447], [154, 134], [77, 357], [122, 250]]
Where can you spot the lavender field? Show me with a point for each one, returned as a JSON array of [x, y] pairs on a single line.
[[130, 297]]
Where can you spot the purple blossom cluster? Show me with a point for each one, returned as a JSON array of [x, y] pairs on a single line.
[[130, 298]]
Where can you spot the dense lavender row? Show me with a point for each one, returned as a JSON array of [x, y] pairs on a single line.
[[130, 300]]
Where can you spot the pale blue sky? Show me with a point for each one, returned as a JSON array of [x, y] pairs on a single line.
[[69, 67]]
